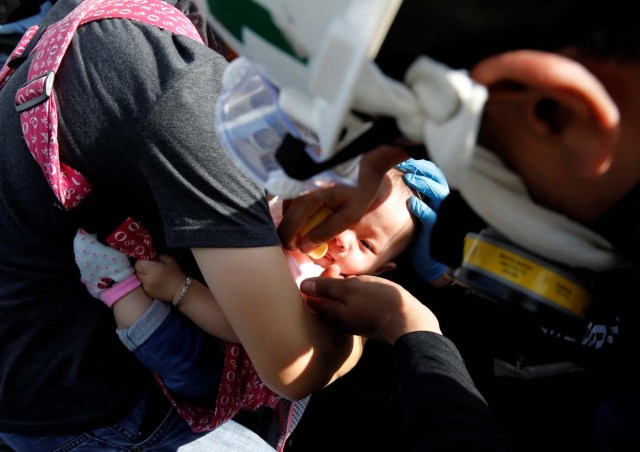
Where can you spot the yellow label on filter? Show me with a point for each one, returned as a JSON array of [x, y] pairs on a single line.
[[526, 274]]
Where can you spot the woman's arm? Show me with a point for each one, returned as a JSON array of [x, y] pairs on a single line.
[[164, 279], [293, 351]]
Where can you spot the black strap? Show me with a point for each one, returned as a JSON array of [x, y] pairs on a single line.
[[455, 219], [621, 225], [295, 161]]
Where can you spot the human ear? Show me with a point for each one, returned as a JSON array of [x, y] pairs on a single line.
[[387, 267], [565, 105]]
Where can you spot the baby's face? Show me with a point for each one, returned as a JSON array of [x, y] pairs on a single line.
[[369, 245]]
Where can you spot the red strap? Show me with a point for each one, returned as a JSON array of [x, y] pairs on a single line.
[[240, 389], [40, 119], [39, 116], [132, 239]]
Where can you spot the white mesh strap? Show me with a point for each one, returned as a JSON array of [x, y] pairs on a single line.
[[292, 411]]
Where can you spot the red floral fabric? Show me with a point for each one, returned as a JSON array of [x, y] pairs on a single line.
[[240, 389]]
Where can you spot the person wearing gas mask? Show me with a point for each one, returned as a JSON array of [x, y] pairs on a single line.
[[529, 110]]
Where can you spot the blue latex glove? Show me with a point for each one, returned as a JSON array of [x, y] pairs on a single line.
[[427, 179]]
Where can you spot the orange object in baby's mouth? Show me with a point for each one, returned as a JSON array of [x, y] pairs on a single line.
[[315, 220]]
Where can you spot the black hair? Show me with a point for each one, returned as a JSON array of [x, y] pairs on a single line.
[[460, 33], [620, 43]]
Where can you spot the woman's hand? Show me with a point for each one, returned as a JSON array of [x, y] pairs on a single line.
[[348, 204], [368, 306]]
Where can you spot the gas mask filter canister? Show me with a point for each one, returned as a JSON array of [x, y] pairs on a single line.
[[497, 269]]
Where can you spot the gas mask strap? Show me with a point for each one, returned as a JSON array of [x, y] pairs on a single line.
[[299, 165], [621, 224]]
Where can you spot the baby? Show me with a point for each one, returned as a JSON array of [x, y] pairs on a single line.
[[180, 354]]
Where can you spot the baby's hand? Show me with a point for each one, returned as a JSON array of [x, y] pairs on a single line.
[[161, 279]]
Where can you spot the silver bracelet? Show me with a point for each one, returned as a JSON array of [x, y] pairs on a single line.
[[183, 292]]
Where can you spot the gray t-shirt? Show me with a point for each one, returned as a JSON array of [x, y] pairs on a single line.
[[136, 118]]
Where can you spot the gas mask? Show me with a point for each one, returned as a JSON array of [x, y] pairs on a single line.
[[252, 128], [287, 114], [307, 98]]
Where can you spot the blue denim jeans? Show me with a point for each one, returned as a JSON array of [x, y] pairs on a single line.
[[171, 434], [189, 361]]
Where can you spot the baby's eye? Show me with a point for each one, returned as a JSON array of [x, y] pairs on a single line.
[[367, 245]]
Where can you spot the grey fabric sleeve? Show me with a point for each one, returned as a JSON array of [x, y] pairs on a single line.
[[145, 326]]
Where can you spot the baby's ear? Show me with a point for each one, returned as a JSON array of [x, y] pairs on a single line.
[[384, 268]]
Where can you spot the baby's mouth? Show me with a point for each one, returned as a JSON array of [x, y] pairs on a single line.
[[329, 257]]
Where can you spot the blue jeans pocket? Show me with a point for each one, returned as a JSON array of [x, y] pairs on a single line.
[[151, 425]]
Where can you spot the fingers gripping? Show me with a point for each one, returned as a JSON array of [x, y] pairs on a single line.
[[422, 211], [426, 178]]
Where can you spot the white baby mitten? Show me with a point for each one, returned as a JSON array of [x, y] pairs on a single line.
[[105, 271]]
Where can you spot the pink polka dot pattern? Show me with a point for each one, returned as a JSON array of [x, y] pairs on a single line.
[[101, 267]]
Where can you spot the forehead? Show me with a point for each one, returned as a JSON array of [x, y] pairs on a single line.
[[389, 218]]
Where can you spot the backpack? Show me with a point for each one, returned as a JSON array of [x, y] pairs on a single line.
[[38, 110]]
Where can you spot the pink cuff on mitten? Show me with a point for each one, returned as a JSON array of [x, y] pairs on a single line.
[[110, 296]]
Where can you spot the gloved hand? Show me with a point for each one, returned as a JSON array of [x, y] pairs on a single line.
[[105, 271], [426, 178]]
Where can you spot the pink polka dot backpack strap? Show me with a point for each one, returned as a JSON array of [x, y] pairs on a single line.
[[38, 110], [35, 101]]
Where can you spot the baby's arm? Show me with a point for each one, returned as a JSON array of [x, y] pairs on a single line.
[[164, 280], [188, 361]]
